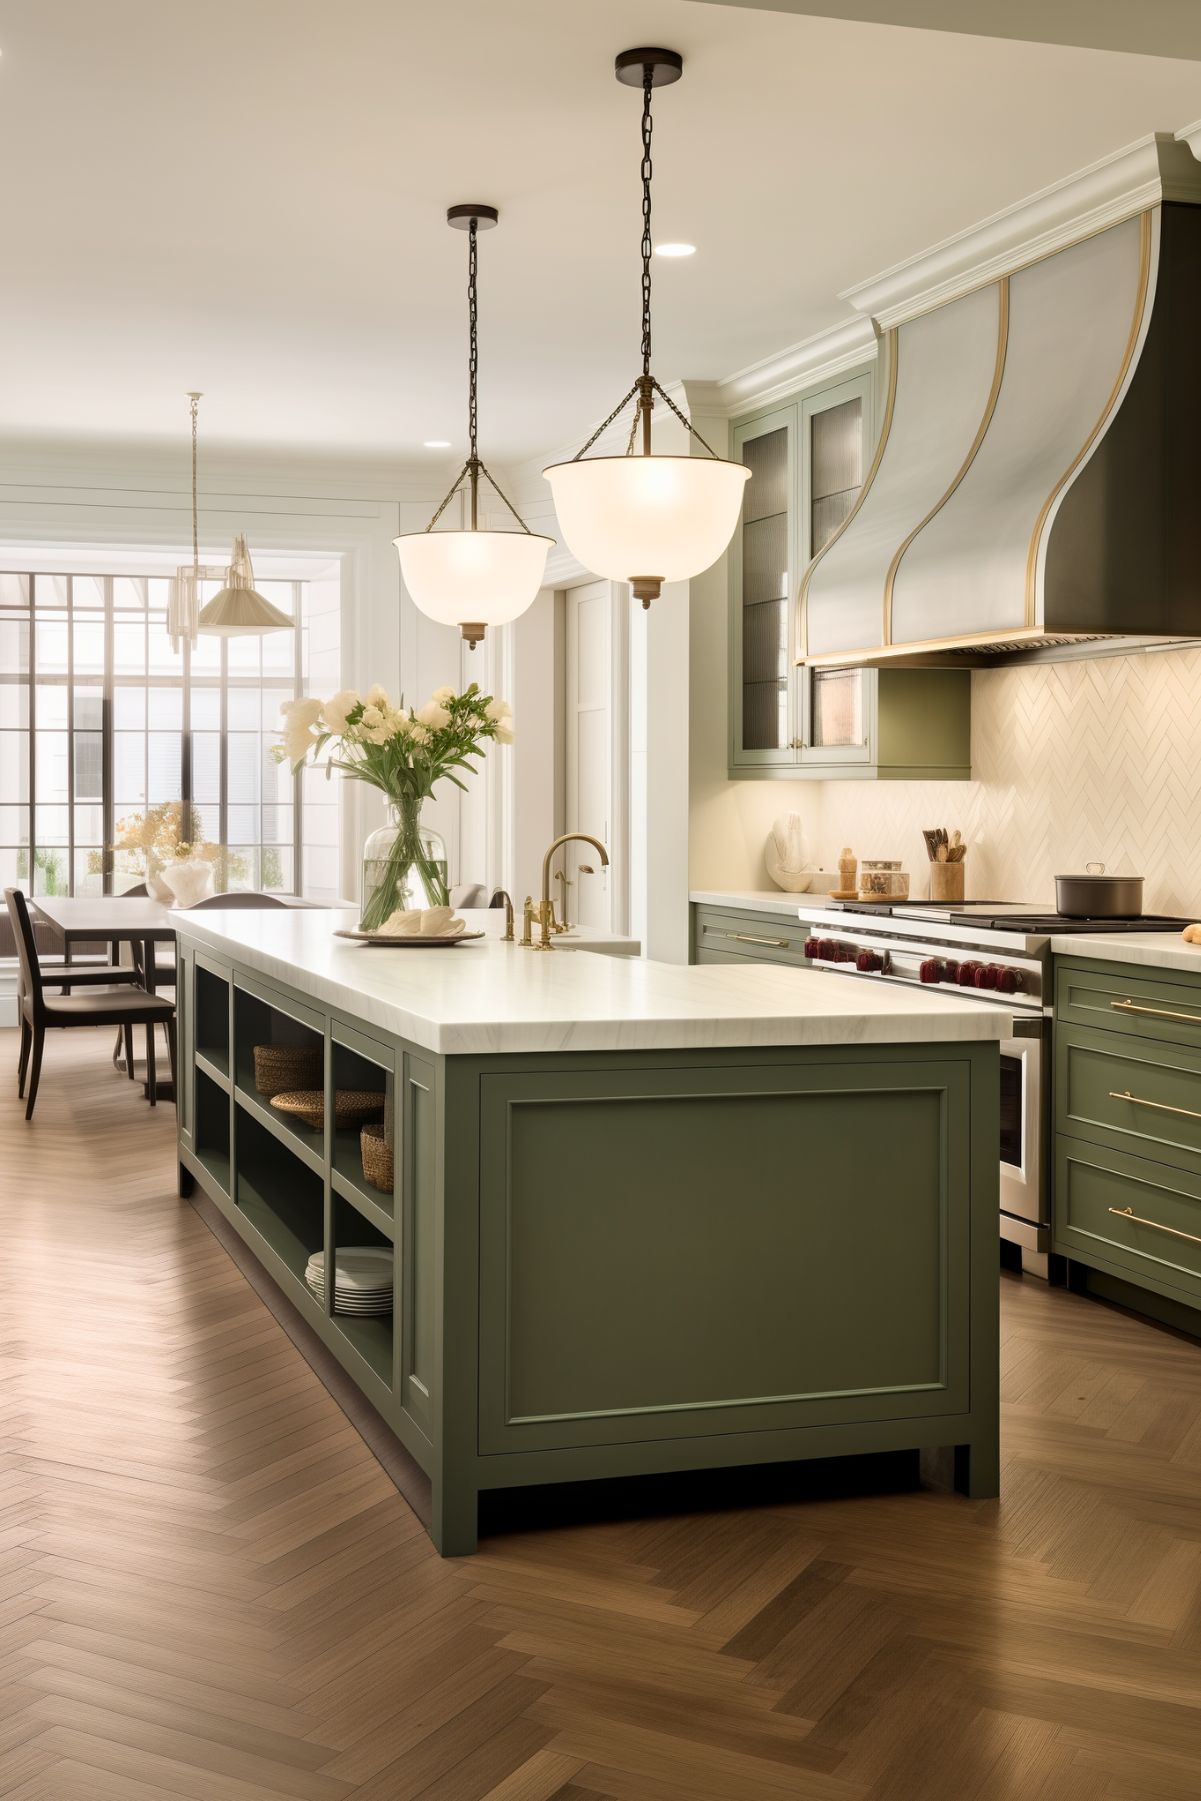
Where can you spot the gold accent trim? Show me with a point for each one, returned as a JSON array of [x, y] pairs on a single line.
[[1019, 634], [1140, 307], [1136, 1100], [892, 346], [990, 407], [1137, 1220]]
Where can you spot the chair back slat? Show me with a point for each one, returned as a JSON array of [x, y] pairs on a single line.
[[238, 897], [27, 950]]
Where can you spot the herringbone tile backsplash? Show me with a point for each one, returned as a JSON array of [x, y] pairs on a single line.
[[1072, 763]]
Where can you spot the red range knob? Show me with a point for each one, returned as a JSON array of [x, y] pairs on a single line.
[[986, 975], [812, 947], [826, 949], [1009, 981], [931, 970], [869, 960], [845, 953], [950, 970], [967, 974]]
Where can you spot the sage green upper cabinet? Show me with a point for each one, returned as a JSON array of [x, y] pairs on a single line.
[[808, 461]]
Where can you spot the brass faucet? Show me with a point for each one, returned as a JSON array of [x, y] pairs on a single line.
[[566, 883], [545, 911], [502, 897]]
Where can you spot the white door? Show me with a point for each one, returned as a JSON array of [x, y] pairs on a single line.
[[589, 759]]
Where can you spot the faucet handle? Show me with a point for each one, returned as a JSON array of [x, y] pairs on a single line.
[[527, 921]]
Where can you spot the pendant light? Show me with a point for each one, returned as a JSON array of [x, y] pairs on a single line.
[[237, 611], [647, 519], [473, 578], [183, 603]]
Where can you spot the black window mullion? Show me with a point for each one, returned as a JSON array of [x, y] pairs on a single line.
[[70, 734], [33, 732], [107, 710]]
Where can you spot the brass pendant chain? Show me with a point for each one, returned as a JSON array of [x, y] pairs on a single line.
[[647, 170]]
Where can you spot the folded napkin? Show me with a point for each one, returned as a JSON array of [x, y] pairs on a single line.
[[423, 922]]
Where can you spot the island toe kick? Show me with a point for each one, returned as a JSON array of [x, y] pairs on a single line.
[[610, 1263]]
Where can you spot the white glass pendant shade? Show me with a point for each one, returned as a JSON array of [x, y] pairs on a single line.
[[645, 518], [472, 579], [238, 611]]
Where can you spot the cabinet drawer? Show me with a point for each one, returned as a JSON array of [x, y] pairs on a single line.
[[1120, 998], [1130, 1216], [1130, 1093], [761, 937]]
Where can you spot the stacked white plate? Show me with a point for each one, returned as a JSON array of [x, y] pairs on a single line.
[[362, 1278]]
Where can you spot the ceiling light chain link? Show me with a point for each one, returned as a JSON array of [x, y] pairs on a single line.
[[473, 359], [647, 171]]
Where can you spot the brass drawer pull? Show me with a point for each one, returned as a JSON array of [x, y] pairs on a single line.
[[775, 944], [1188, 1019], [1124, 1094], [1136, 1220]]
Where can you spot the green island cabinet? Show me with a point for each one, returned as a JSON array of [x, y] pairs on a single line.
[[1126, 1207], [617, 1263], [808, 459]]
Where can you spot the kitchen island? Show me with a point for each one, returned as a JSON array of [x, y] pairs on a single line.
[[645, 1217]]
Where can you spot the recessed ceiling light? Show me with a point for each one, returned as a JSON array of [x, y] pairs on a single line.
[[436, 444], [675, 249]]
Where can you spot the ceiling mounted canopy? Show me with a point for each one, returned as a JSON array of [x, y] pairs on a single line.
[[473, 578], [642, 518]]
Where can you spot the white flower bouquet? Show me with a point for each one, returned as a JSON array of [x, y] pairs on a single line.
[[402, 751]]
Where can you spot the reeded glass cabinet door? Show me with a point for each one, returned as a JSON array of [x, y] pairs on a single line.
[[764, 725]]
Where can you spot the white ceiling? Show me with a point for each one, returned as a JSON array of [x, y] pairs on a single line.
[[247, 196]]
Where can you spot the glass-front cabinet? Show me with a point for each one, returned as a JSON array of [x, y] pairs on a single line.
[[808, 461]]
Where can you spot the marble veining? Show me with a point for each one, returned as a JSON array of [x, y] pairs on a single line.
[[485, 998], [1155, 950]]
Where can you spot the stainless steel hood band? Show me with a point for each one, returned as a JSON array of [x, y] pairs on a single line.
[[990, 407], [891, 348], [1136, 328]]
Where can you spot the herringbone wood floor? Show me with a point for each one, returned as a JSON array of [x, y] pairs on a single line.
[[209, 1589]]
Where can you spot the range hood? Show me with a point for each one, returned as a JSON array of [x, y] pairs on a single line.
[[1037, 479]]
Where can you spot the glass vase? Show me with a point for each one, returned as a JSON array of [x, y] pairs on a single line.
[[404, 865]]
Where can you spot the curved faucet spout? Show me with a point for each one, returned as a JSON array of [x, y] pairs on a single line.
[[544, 943]]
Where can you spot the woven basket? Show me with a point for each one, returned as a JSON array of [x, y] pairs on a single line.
[[279, 1068], [351, 1105], [377, 1158]]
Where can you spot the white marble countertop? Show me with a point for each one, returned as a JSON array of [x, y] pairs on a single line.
[[1157, 950], [488, 997], [762, 900]]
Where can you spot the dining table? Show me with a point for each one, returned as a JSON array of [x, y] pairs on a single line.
[[112, 920]]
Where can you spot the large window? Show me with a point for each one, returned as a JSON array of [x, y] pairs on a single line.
[[112, 745]]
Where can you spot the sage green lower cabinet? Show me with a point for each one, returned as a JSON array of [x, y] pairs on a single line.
[[721, 934], [610, 1264], [1127, 1194]]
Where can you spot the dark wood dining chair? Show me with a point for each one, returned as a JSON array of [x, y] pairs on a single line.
[[123, 1004], [238, 897]]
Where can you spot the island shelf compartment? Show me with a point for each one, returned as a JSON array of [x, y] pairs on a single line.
[[371, 1336], [259, 1020], [211, 1127], [463, 1372], [211, 1009], [359, 1062], [278, 1195]]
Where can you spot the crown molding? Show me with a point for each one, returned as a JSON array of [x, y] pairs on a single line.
[[1191, 135], [1154, 169], [813, 361]]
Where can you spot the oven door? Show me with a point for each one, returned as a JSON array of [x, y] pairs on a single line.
[[1024, 1097]]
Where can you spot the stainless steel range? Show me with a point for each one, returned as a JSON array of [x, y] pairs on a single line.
[[993, 951]]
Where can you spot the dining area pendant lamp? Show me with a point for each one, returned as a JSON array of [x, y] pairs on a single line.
[[476, 576], [646, 518], [237, 610]]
